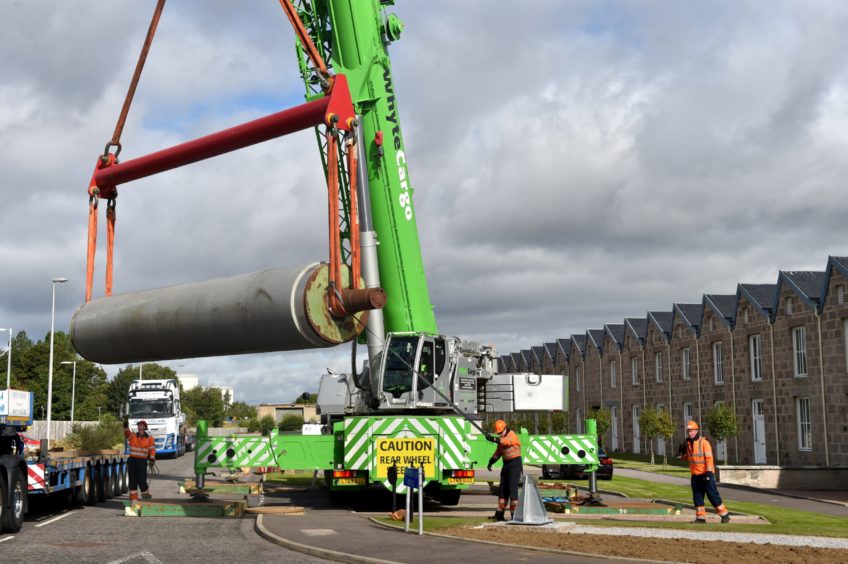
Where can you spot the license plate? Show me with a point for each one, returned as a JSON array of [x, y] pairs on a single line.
[[460, 480], [350, 481]]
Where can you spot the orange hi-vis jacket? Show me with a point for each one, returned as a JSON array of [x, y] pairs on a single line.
[[699, 453], [141, 446], [509, 447]]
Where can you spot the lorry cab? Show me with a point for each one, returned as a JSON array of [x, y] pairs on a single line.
[[158, 403]]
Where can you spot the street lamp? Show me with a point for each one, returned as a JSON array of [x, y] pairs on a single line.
[[50, 367], [73, 385], [9, 360]]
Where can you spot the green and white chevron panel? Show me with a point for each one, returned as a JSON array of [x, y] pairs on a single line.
[[234, 452], [375, 443], [559, 449]]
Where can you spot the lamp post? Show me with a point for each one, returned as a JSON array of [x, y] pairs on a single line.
[[73, 385], [50, 367], [9, 360]]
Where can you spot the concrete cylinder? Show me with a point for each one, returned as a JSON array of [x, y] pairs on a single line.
[[274, 310]]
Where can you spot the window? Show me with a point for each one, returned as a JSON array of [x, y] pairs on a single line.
[[805, 429], [658, 363], [756, 358], [634, 370], [579, 416], [577, 377], [799, 346], [840, 294], [745, 315], [687, 413], [789, 305], [712, 325], [613, 376], [685, 368], [718, 363]]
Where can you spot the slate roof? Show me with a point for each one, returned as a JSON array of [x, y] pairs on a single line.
[[761, 296], [580, 341], [691, 314], [841, 261], [840, 264], [526, 357], [638, 326], [808, 284], [663, 321], [537, 353], [502, 366], [516, 361], [596, 338], [565, 345], [616, 333], [724, 305], [550, 351]]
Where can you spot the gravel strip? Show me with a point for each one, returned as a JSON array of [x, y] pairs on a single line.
[[755, 538]]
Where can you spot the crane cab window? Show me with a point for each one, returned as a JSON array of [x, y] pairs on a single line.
[[397, 377]]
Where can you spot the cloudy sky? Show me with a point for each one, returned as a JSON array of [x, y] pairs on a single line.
[[574, 162]]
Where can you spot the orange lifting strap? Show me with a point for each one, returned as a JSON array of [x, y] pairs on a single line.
[[109, 159]]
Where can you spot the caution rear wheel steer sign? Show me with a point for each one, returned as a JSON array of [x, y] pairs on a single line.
[[406, 453]]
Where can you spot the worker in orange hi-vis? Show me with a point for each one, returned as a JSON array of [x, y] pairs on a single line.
[[509, 448], [142, 455], [699, 453]]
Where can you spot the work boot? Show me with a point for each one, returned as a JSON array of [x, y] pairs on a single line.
[[700, 521], [499, 515], [725, 518], [146, 495]]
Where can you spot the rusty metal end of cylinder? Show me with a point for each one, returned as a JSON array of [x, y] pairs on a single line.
[[363, 299]]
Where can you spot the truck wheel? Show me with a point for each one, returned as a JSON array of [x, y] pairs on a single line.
[[449, 497], [79, 492], [13, 517], [116, 479], [125, 478], [109, 481], [90, 486], [4, 496], [100, 481]]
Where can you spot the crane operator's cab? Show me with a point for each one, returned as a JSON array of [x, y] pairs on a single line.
[[414, 372]]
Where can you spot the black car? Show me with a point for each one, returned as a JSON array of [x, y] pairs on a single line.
[[578, 471]]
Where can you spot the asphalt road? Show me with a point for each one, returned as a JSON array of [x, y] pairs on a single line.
[[101, 533]]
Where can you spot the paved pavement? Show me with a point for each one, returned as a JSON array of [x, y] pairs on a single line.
[[347, 534]]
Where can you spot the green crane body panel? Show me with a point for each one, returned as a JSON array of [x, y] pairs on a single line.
[[357, 32], [543, 449]]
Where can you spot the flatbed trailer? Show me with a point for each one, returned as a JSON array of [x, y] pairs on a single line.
[[70, 477]]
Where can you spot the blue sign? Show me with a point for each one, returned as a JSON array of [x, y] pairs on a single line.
[[410, 478]]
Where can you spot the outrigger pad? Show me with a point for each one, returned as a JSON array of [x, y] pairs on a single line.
[[531, 509]]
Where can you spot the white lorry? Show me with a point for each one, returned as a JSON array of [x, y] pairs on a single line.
[[158, 403]]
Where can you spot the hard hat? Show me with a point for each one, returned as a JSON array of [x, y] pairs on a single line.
[[692, 426], [142, 422], [500, 425]]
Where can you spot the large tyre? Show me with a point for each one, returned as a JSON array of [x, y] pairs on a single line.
[[13, 517], [449, 497], [90, 486], [79, 492], [116, 479], [546, 473], [109, 479], [100, 481], [125, 478], [4, 495]]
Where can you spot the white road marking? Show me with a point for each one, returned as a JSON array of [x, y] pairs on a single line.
[[7, 538], [62, 516], [148, 556]]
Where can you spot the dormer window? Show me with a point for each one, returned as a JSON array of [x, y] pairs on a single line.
[[789, 305]]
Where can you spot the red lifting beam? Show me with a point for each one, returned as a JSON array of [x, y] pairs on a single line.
[[337, 105]]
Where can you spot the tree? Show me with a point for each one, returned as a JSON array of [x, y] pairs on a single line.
[[204, 403], [649, 426], [720, 421], [291, 423], [306, 398], [240, 411], [263, 425], [108, 433], [665, 429], [603, 420], [559, 423]]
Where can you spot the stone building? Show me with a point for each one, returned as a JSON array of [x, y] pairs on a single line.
[[776, 353]]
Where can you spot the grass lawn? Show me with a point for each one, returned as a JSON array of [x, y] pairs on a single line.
[[782, 520], [435, 524], [675, 467]]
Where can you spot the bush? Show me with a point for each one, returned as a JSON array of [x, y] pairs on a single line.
[[291, 423], [107, 434]]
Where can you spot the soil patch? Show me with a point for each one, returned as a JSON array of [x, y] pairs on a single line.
[[682, 550]]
